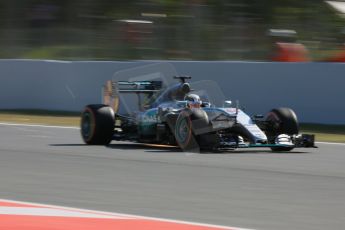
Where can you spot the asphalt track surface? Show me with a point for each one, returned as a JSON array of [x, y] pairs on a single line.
[[255, 188]]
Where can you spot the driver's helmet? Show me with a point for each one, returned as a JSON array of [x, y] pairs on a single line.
[[193, 100]]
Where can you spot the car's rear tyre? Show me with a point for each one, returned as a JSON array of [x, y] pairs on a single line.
[[282, 121], [97, 124]]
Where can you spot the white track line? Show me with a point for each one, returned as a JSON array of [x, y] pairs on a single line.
[[53, 212], [330, 143], [37, 125], [124, 215]]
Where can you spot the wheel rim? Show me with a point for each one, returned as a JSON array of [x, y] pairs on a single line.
[[183, 131], [86, 125]]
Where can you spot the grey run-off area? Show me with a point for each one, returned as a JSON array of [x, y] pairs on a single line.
[[314, 90], [255, 188]]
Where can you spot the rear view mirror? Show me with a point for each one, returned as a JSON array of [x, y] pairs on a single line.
[[227, 104], [258, 116]]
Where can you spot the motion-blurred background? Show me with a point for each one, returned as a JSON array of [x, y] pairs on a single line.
[[169, 29]]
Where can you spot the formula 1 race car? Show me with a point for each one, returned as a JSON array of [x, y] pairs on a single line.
[[178, 114]]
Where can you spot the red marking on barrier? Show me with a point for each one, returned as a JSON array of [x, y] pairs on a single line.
[[24, 216]]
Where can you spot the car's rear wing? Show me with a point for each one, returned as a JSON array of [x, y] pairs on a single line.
[[112, 89], [137, 86]]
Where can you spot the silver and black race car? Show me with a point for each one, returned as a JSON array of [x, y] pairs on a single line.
[[186, 115]]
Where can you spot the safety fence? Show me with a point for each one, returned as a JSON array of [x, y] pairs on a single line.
[[314, 90]]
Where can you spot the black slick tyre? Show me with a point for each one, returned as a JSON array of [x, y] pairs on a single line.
[[97, 124], [282, 121]]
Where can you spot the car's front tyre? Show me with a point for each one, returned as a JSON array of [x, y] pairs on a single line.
[[189, 125], [97, 124], [282, 121]]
